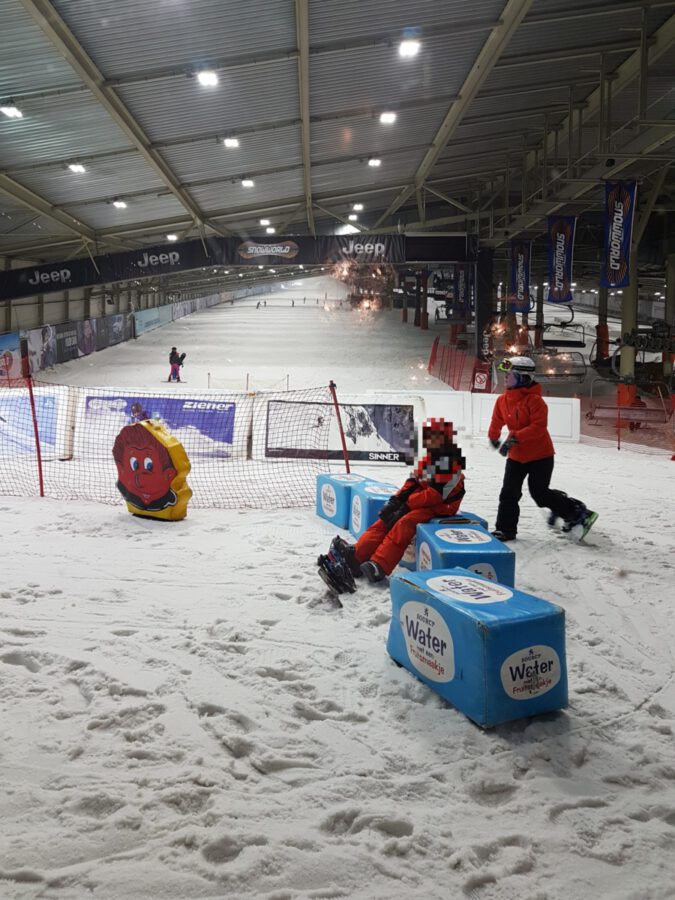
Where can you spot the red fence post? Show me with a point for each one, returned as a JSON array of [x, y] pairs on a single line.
[[25, 371], [345, 453]]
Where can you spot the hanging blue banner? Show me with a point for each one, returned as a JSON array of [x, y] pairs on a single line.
[[519, 300], [460, 288], [620, 202], [561, 231]]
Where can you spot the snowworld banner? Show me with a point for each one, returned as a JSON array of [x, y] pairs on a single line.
[[519, 301], [10, 357], [377, 432], [620, 201], [561, 230], [216, 251]]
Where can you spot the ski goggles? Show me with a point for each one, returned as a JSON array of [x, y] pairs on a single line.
[[505, 365]]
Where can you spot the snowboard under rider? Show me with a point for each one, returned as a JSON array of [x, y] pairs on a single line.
[[435, 489], [175, 361], [529, 451]]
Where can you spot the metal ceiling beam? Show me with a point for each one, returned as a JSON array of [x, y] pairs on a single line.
[[337, 216], [501, 33], [302, 30], [640, 146], [526, 59], [38, 204], [53, 26], [617, 8], [659, 44], [651, 199], [450, 200]]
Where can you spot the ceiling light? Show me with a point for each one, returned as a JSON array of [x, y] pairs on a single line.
[[374, 162], [119, 204], [273, 271], [172, 237], [387, 118], [247, 182], [207, 78], [77, 168], [231, 142], [264, 221], [241, 275], [11, 111], [260, 267], [301, 266], [408, 48], [270, 230], [353, 217], [357, 207]]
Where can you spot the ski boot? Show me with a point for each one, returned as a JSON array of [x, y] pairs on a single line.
[[503, 536], [334, 569], [581, 522], [372, 571], [348, 553]]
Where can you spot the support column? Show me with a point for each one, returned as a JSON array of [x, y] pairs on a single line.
[[626, 392], [669, 315], [484, 301], [41, 309], [601, 329], [418, 300], [425, 301], [66, 297], [8, 303], [539, 314]]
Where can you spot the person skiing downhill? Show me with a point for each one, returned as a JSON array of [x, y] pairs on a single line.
[[435, 488], [175, 361], [529, 451]]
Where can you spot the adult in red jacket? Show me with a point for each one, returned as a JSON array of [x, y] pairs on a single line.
[[434, 489], [529, 448]]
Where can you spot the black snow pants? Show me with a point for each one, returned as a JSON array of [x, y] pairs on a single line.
[[538, 474]]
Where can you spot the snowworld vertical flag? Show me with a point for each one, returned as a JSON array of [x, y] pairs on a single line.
[[460, 288], [520, 275], [620, 200], [560, 251]]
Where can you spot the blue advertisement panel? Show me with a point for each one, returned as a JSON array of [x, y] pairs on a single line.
[[204, 427], [561, 230], [149, 319], [620, 201], [519, 301], [17, 436]]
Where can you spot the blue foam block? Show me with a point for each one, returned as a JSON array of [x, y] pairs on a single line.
[[493, 652], [409, 559], [334, 496], [367, 501], [468, 546]]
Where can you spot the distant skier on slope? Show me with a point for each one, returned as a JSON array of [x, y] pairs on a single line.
[[175, 361]]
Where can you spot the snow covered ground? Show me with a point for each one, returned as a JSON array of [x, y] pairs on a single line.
[[185, 716]]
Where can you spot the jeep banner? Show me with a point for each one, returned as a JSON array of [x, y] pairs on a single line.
[[620, 201], [361, 248], [519, 301], [561, 231]]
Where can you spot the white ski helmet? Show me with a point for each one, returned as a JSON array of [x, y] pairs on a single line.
[[517, 363]]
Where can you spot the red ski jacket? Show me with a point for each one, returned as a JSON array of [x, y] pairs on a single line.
[[524, 412]]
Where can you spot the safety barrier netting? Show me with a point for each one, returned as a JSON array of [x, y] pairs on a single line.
[[247, 450]]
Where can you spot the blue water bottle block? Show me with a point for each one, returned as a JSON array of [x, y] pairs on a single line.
[[493, 652], [409, 558], [334, 496], [367, 501], [462, 518], [468, 546]]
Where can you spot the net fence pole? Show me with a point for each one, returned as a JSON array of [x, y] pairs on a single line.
[[332, 386], [25, 371]]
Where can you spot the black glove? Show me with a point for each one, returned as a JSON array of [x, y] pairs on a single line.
[[495, 443], [506, 446], [393, 510]]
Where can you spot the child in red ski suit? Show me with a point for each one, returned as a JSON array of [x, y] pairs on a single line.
[[434, 489]]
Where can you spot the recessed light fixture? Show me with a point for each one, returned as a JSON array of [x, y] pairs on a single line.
[[353, 217], [207, 78], [231, 142], [357, 207], [273, 271], [374, 162], [241, 274], [270, 230], [301, 266], [387, 118], [247, 182], [260, 267], [408, 48], [264, 221], [119, 204], [11, 111], [172, 237], [77, 168]]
